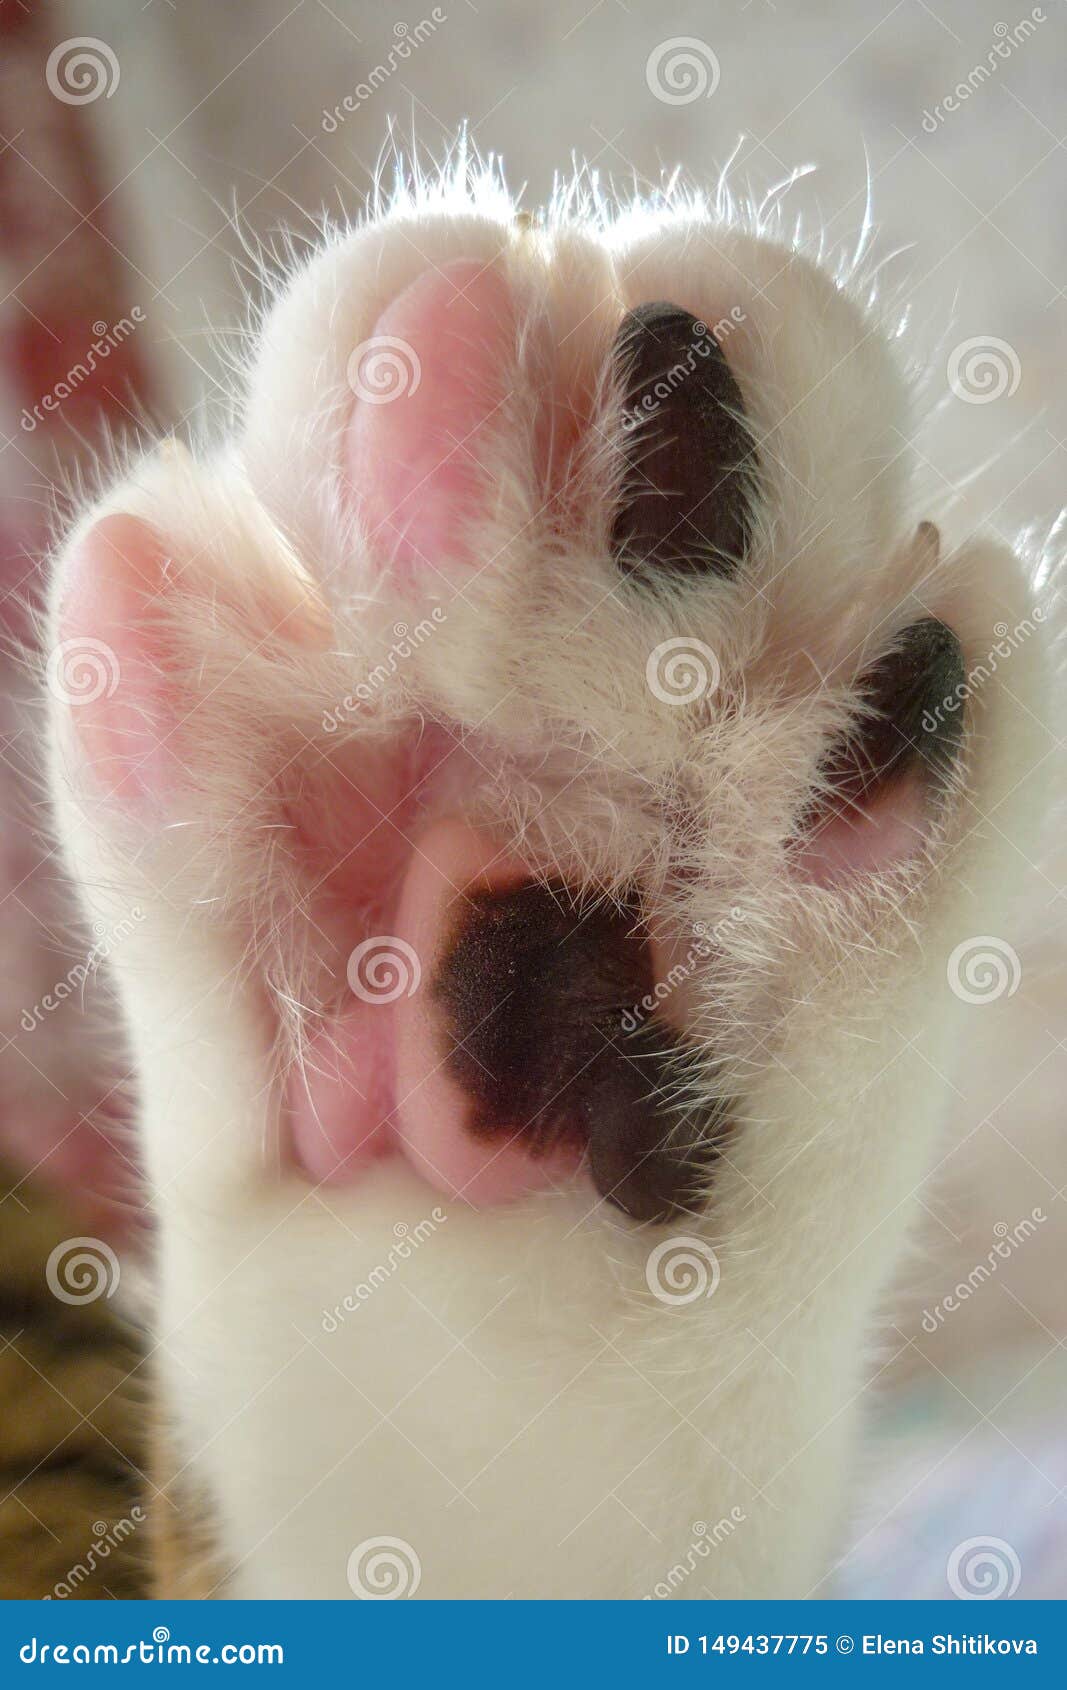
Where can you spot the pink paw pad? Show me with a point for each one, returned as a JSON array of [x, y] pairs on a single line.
[[429, 383], [379, 1078]]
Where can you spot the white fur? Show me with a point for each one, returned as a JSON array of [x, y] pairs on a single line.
[[512, 1401]]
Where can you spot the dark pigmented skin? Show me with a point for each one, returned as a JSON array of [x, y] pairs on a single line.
[[912, 691], [534, 991], [534, 988], [689, 454]]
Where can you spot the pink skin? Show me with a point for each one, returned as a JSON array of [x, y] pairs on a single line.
[[868, 839], [376, 1079], [412, 461], [452, 861], [339, 1103], [116, 575]]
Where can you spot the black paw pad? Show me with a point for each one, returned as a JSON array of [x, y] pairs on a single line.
[[536, 994], [688, 449]]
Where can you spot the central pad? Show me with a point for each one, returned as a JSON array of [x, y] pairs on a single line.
[[501, 1063], [535, 993]]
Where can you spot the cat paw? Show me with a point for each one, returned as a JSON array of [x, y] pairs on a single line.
[[550, 653]]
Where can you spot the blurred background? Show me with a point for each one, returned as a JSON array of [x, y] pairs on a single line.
[[132, 142]]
